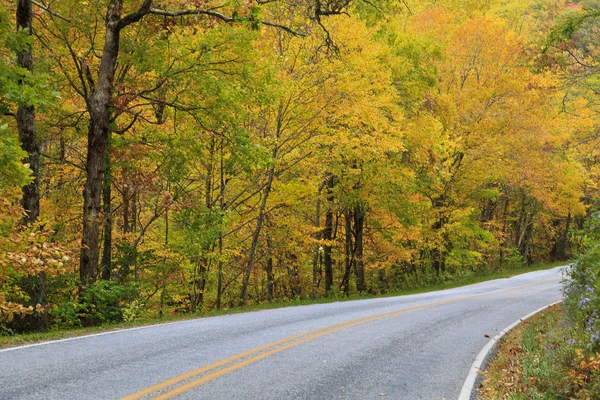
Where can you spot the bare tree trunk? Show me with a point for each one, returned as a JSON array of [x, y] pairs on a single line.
[[439, 252], [526, 234], [199, 284], [221, 206], [25, 117], [560, 249], [220, 272], [126, 198], [328, 237], [26, 123], [257, 229], [262, 209], [504, 244], [438, 256], [348, 253], [98, 105], [269, 271], [318, 235], [107, 212], [527, 243], [133, 223], [359, 222]]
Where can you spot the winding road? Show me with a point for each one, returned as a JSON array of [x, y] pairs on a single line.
[[408, 347]]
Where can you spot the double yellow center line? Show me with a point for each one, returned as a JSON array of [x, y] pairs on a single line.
[[194, 378]]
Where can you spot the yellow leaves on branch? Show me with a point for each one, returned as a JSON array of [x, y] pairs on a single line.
[[28, 253]]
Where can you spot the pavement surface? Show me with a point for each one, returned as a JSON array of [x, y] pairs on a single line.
[[408, 347]]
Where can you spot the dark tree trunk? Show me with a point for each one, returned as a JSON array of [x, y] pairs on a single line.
[[348, 253], [199, 285], [318, 234], [269, 271], [256, 234], [220, 273], [98, 105], [126, 198], [107, 213], [26, 123], [438, 253], [30, 201], [221, 207], [504, 228], [526, 232], [133, 220], [263, 208], [560, 249], [359, 222], [526, 244], [328, 237]]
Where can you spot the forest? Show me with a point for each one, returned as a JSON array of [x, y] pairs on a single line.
[[181, 156]]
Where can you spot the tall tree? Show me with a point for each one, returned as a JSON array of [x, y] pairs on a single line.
[[99, 102], [26, 119]]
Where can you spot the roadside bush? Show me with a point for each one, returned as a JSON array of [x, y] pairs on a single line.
[[582, 290], [65, 315], [134, 311], [540, 360], [100, 303], [104, 302]]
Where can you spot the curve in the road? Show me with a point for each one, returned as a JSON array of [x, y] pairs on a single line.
[[468, 389], [194, 378]]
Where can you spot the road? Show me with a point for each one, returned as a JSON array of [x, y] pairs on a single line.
[[409, 347]]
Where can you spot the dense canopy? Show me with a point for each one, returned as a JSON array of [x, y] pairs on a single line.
[[189, 155]]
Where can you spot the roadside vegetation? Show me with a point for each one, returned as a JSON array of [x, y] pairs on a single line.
[[160, 160], [542, 359], [11, 340], [556, 354]]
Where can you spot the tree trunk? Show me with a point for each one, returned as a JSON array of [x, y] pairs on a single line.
[[359, 222], [133, 222], [199, 285], [560, 250], [318, 234], [262, 209], [348, 253], [438, 253], [257, 229], [30, 201], [98, 105], [269, 271], [126, 198], [26, 123], [221, 206], [328, 237], [107, 212], [525, 249]]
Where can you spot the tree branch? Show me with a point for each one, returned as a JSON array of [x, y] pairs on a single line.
[[48, 10], [220, 16], [136, 16], [179, 13]]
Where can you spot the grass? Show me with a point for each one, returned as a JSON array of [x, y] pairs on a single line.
[[29, 338], [540, 360]]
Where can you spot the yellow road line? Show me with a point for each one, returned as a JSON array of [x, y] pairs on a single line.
[[283, 344], [225, 361]]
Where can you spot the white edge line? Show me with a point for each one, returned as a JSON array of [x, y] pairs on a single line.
[[469, 386], [117, 330], [136, 328]]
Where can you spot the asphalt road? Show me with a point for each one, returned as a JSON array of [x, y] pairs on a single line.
[[410, 347]]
